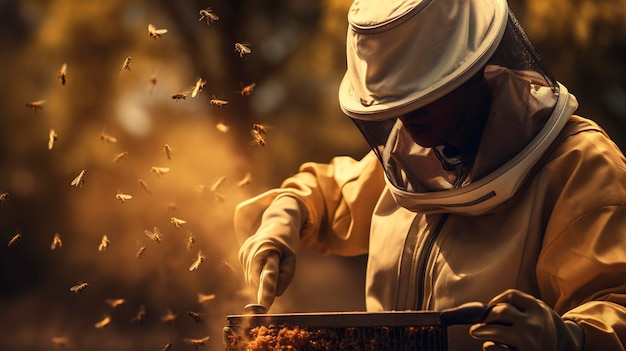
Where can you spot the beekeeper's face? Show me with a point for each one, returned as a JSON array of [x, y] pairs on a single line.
[[454, 120]]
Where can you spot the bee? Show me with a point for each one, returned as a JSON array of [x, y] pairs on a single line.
[[168, 151], [62, 73], [245, 180], [155, 33], [242, 48], [258, 138], [159, 171], [144, 185], [218, 102], [218, 183], [80, 179], [247, 90], [198, 87], [4, 197], [120, 156], [103, 323], [197, 317], [123, 197], [36, 105], [154, 235], [141, 315], [177, 222], [14, 239], [197, 262], [152, 81], [218, 197], [59, 341], [261, 128], [226, 267], [52, 137], [197, 342], [126, 65], [79, 287], [56, 242], [104, 243], [167, 347], [191, 239], [203, 298], [221, 127], [140, 252], [114, 303], [182, 95], [108, 138], [209, 15], [168, 317]]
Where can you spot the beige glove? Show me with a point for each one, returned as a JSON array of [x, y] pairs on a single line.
[[269, 256], [518, 321]]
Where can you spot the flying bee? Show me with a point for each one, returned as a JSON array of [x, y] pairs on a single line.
[[79, 287], [36, 105], [59, 341], [56, 242], [168, 317], [126, 65], [203, 298], [242, 48], [140, 252], [191, 239], [218, 197], [104, 243], [197, 317], [62, 73], [167, 347], [197, 342], [122, 155], [201, 257], [144, 185], [114, 303], [141, 314], [80, 179], [221, 127], [155, 33], [152, 82], [200, 83], [4, 197], [209, 15], [245, 180], [261, 128], [258, 138], [14, 239], [123, 197], [247, 90], [52, 137], [226, 267], [219, 103], [177, 222], [182, 95], [168, 151], [103, 323], [154, 235], [159, 171], [108, 138], [218, 183]]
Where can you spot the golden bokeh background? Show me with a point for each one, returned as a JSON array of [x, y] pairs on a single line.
[[296, 61]]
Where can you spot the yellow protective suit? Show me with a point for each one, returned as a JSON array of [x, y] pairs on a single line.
[[561, 237]]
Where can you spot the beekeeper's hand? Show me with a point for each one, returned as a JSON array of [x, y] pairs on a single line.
[[518, 321], [269, 256]]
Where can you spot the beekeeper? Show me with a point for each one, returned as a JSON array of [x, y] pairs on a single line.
[[481, 185]]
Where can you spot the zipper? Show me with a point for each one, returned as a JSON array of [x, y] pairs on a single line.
[[420, 261]]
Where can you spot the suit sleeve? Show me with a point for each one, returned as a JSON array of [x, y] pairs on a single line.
[[339, 198]]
